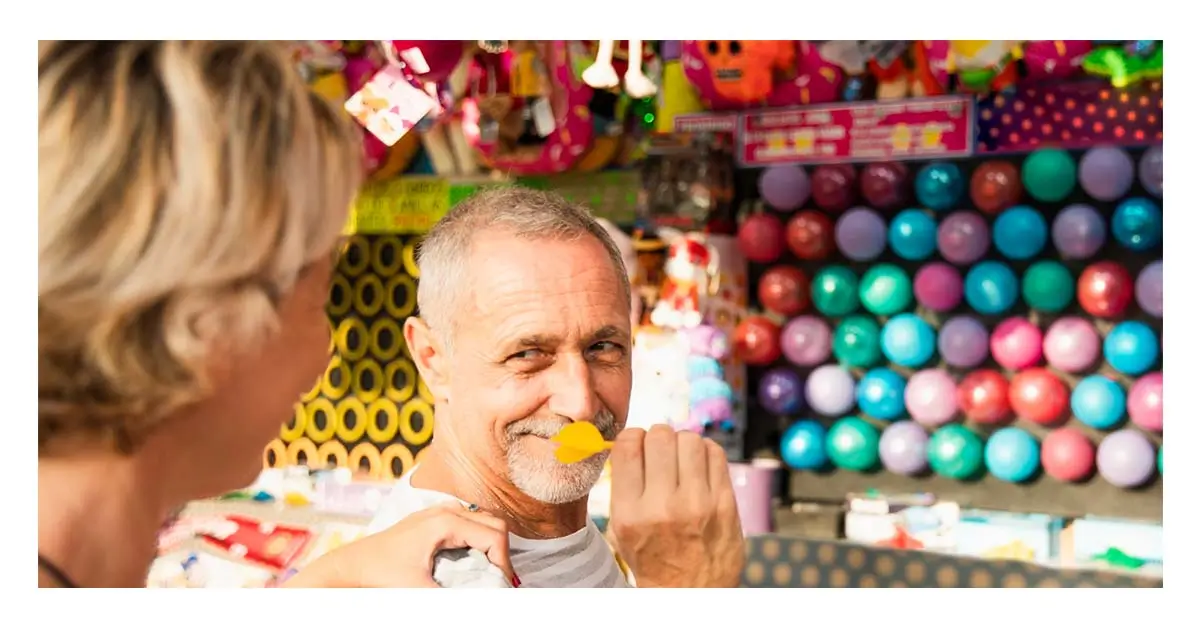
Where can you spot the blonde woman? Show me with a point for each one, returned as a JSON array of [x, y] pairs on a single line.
[[191, 196]]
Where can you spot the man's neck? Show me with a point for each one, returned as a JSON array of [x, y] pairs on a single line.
[[97, 522], [526, 517]]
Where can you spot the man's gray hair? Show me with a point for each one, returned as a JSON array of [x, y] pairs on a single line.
[[523, 212]]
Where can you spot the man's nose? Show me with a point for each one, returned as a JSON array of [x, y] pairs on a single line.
[[572, 391]]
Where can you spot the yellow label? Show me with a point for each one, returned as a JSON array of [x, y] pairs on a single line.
[[400, 206]]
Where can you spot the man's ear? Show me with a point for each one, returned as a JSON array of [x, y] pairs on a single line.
[[430, 357]]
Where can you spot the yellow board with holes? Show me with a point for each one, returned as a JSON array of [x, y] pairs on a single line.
[[369, 411]]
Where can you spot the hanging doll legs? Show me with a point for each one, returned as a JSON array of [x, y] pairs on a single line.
[[602, 74]]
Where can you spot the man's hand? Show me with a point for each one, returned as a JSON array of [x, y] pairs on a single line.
[[402, 555], [674, 517]]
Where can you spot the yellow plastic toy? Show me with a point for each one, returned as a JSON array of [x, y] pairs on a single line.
[[579, 441]]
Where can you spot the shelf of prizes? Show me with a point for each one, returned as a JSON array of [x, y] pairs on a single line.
[[913, 285]]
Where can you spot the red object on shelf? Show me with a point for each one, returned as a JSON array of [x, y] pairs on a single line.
[[1040, 396], [1105, 289], [262, 542], [756, 341]]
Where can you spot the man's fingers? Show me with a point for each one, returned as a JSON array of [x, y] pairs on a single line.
[[693, 462], [719, 481], [628, 464], [662, 460]]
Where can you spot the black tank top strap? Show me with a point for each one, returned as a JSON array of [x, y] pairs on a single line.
[[54, 572]]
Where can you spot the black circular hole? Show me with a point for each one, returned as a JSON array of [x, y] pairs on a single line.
[[364, 465], [368, 294], [335, 378], [354, 256], [331, 461], [735, 48], [353, 340], [272, 459], [366, 379], [418, 421], [385, 340], [302, 459], [399, 294], [381, 420], [337, 295], [399, 379], [397, 466], [350, 419], [387, 254], [320, 420]]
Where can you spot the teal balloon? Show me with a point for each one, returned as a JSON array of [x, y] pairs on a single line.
[[913, 234], [1138, 224], [939, 185], [885, 289], [1048, 286], [990, 287], [835, 291], [1049, 174], [955, 452], [1160, 460], [853, 444], [856, 341]]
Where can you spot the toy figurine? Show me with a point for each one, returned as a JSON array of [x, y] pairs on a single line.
[[602, 74], [691, 275]]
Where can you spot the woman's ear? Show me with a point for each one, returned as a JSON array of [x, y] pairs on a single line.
[[429, 355]]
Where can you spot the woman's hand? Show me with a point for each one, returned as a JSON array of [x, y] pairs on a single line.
[[402, 555]]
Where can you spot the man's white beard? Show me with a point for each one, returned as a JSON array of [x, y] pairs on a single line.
[[546, 479]]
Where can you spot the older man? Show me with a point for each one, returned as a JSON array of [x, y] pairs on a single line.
[[525, 328]]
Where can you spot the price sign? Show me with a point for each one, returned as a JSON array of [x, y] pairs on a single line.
[[401, 206]]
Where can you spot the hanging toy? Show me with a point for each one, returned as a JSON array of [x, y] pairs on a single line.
[[983, 65], [737, 74], [1140, 60], [602, 74], [442, 68], [710, 398], [1055, 59], [855, 57], [692, 275]]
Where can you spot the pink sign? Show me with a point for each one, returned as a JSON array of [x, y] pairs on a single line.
[[706, 123], [869, 131]]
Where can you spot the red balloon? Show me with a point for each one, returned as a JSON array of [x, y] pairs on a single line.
[[885, 185], [756, 341], [785, 290], [995, 186], [810, 235], [761, 237], [1037, 395], [833, 187], [983, 397], [1105, 289], [1068, 455]]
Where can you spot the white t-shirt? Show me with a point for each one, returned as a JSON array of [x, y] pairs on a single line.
[[582, 559]]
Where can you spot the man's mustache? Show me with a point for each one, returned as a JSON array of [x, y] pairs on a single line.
[[549, 427]]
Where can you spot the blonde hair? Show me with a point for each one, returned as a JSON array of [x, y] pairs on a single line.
[[182, 188]]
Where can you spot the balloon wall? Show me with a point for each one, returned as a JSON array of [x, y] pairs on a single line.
[[990, 325]]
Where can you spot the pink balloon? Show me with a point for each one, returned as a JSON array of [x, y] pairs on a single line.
[[938, 286], [1145, 402], [806, 341], [1071, 344], [931, 397], [1017, 344]]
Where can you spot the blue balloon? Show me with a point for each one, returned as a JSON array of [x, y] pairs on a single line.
[[1138, 224], [1098, 402], [1012, 455], [1131, 347], [803, 445], [908, 341], [913, 234], [991, 287], [1019, 232], [881, 394], [939, 185]]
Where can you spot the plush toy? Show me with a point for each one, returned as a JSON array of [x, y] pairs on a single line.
[[1139, 60], [603, 75], [710, 398], [982, 65], [857, 57], [1055, 59], [738, 74], [691, 275]]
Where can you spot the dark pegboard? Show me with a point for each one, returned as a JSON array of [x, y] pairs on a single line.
[[1041, 494]]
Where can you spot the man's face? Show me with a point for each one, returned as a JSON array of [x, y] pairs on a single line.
[[542, 339]]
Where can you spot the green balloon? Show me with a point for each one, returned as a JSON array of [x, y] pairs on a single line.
[[955, 452], [1049, 174], [856, 341], [885, 290], [1160, 460], [835, 291], [1048, 286], [853, 444]]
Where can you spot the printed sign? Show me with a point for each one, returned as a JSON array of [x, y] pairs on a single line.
[[706, 123], [400, 206], [869, 131]]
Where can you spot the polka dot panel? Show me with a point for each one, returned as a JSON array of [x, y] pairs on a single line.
[[368, 411]]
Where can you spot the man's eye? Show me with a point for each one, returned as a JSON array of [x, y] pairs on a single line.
[[528, 354], [607, 350]]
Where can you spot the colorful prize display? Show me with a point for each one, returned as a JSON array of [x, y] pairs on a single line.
[[993, 317]]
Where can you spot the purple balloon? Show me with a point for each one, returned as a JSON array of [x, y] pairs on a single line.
[[1071, 344], [830, 390], [806, 341], [902, 448], [861, 234], [1078, 231], [780, 391], [938, 286], [963, 342], [1126, 458], [1148, 289], [1106, 173], [963, 237], [1150, 171], [931, 397], [784, 187]]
